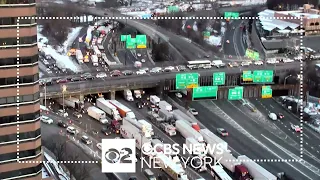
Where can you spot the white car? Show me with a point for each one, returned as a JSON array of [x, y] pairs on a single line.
[[287, 60], [72, 130], [259, 63], [169, 68], [46, 119], [99, 146], [272, 61], [296, 128], [49, 71], [143, 60], [246, 63], [193, 111], [273, 116], [63, 114], [179, 95], [101, 75], [207, 67], [144, 69], [138, 54], [140, 72], [156, 70]]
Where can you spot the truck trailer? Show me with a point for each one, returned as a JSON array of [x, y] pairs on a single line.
[[172, 169], [179, 115], [97, 114], [72, 102], [187, 131], [255, 170], [166, 115], [109, 108], [127, 94], [79, 56], [130, 132], [123, 110], [155, 100], [140, 127], [165, 106], [212, 139]]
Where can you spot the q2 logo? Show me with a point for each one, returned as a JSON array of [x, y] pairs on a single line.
[[118, 155], [114, 156]]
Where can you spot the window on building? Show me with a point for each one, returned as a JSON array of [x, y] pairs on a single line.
[[25, 135], [22, 154], [13, 41], [17, 1], [22, 117], [23, 60], [21, 172], [23, 79], [13, 21], [25, 98]]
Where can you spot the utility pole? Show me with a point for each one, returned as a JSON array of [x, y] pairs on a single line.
[[45, 95]]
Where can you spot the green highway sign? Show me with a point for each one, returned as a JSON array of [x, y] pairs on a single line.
[[204, 92], [173, 9], [235, 93], [187, 80], [125, 37], [219, 78], [141, 41], [252, 54], [263, 76], [206, 34], [266, 92], [231, 14], [131, 43], [247, 76]]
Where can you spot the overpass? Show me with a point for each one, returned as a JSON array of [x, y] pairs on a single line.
[[166, 81]]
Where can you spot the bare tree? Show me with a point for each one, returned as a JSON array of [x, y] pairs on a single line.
[[58, 147], [77, 170]]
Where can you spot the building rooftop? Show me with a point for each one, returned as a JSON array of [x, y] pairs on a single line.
[[274, 24]]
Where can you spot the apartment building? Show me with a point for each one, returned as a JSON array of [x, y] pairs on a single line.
[[27, 102]]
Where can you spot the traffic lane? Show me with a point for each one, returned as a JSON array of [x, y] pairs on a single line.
[[238, 33], [95, 139], [310, 144], [153, 77], [284, 150], [142, 114], [229, 48], [49, 131], [124, 57], [144, 55]]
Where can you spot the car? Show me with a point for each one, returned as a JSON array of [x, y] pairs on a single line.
[[207, 66], [273, 116], [74, 79], [179, 95], [192, 67], [127, 72], [105, 131], [62, 113], [101, 75], [233, 64], [105, 13], [72, 130], [90, 77], [139, 105], [86, 140], [222, 132], [181, 68], [77, 115], [233, 27], [85, 75], [280, 116], [193, 111], [144, 69], [62, 124], [245, 63], [156, 70], [64, 80], [169, 68], [272, 61], [99, 146], [227, 41], [296, 128], [206, 56], [46, 119], [259, 63], [138, 54], [140, 72], [143, 60], [115, 73], [287, 60]]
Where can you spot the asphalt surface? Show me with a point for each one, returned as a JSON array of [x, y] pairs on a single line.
[[252, 138], [155, 77], [312, 42], [235, 47]]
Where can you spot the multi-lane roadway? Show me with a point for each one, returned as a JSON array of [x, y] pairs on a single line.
[[234, 35]]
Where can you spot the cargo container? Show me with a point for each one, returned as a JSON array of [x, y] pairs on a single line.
[[97, 114], [123, 110], [187, 131], [165, 106], [109, 108]]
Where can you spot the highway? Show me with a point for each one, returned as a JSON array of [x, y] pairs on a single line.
[[153, 78], [235, 47], [255, 139]]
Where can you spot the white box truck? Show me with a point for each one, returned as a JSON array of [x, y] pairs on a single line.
[[155, 100], [107, 107], [127, 94], [187, 131], [218, 63], [175, 171], [255, 170], [128, 132], [168, 128], [97, 114], [95, 60], [140, 127], [137, 94], [194, 144], [79, 56], [146, 125], [168, 116], [123, 110], [71, 102], [212, 139], [165, 105]]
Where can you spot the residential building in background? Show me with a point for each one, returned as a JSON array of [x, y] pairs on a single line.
[[19, 96]]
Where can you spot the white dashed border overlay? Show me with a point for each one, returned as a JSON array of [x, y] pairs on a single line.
[[165, 18]]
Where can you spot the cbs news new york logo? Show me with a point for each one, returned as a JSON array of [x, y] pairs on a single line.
[[118, 155]]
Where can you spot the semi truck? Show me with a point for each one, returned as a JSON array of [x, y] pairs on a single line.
[[128, 131], [95, 60], [72, 102], [255, 170], [107, 107], [140, 127], [127, 94], [166, 115], [212, 139], [137, 94], [79, 56], [172, 169], [168, 128], [165, 106], [187, 131], [97, 114], [179, 115], [155, 100], [146, 125], [191, 143], [154, 117], [124, 111]]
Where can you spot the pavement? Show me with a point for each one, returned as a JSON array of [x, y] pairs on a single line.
[[235, 47], [312, 42], [254, 137]]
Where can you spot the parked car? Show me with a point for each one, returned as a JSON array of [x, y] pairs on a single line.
[[72, 130], [77, 115], [46, 119], [86, 140], [62, 124]]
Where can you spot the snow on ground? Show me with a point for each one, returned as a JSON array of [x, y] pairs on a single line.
[[40, 75], [214, 40], [62, 59], [71, 38]]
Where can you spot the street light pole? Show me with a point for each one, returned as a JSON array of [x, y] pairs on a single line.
[[64, 89], [285, 79], [45, 95]]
